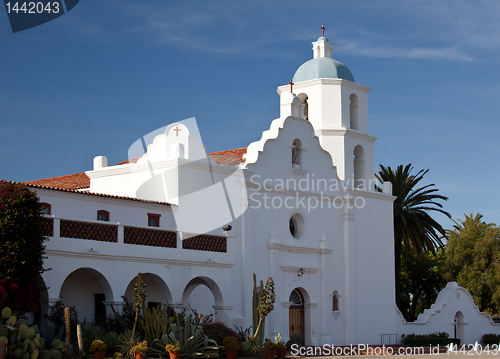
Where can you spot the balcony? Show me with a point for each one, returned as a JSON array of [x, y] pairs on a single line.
[[130, 235]]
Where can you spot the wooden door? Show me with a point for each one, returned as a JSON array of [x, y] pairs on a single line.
[[296, 317], [296, 320]]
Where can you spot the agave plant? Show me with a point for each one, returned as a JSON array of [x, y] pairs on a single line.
[[193, 343]]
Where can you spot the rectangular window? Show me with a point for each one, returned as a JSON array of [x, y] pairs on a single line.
[[103, 215], [154, 219]]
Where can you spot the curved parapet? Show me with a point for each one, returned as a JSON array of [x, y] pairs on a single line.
[[257, 147], [298, 125], [455, 313]]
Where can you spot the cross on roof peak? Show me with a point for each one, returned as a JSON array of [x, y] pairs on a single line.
[[322, 27]]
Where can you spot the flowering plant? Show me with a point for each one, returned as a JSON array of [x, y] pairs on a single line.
[[173, 348], [98, 346], [141, 347], [278, 343]]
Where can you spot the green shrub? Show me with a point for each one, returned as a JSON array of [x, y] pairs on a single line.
[[218, 331], [21, 247], [490, 339], [434, 339]]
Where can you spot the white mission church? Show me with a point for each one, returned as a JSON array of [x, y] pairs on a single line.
[[302, 208]]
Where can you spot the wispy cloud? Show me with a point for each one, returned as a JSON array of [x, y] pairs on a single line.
[[421, 29], [450, 53], [473, 24]]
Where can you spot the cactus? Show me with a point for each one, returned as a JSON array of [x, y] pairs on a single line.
[[45, 354], [21, 340], [67, 349], [57, 344], [155, 323], [80, 340], [67, 318], [12, 320], [55, 354], [18, 353], [255, 311], [6, 313], [255, 303]]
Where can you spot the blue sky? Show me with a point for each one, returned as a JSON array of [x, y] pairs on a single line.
[[96, 79]]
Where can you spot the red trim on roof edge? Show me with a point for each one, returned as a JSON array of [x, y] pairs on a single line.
[[78, 181], [89, 193]]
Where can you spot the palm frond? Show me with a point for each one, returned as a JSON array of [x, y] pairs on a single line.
[[413, 223]]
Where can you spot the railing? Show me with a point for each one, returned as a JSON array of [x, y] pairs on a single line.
[[87, 230], [150, 237], [205, 242], [389, 339], [154, 237], [48, 226]]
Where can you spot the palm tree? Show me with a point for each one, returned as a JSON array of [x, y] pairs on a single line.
[[413, 225]]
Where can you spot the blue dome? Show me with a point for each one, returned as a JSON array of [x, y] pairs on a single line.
[[322, 67]]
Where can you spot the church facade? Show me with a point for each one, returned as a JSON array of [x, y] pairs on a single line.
[[299, 205]]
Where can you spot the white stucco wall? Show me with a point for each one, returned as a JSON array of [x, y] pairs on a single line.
[[472, 323]]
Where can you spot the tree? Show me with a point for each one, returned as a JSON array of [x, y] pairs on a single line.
[[413, 225], [21, 247], [472, 258], [421, 281]]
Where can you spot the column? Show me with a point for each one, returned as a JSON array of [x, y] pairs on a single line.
[[325, 303], [349, 271]]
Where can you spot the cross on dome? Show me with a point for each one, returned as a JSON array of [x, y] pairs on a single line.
[[322, 64], [322, 47]]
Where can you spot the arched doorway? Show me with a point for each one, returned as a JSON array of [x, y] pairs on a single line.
[[202, 294], [296, 317], [458, 327], [87, 290], [157, 292]]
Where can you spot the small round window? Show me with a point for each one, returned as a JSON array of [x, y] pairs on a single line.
[[297, 226]]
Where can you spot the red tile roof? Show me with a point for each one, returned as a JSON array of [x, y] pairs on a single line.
[[29, 184], [133, 160], [229, 157], [81, 180], [71, 182]]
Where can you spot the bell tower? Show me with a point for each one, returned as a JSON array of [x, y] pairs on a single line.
[[323, 92]]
